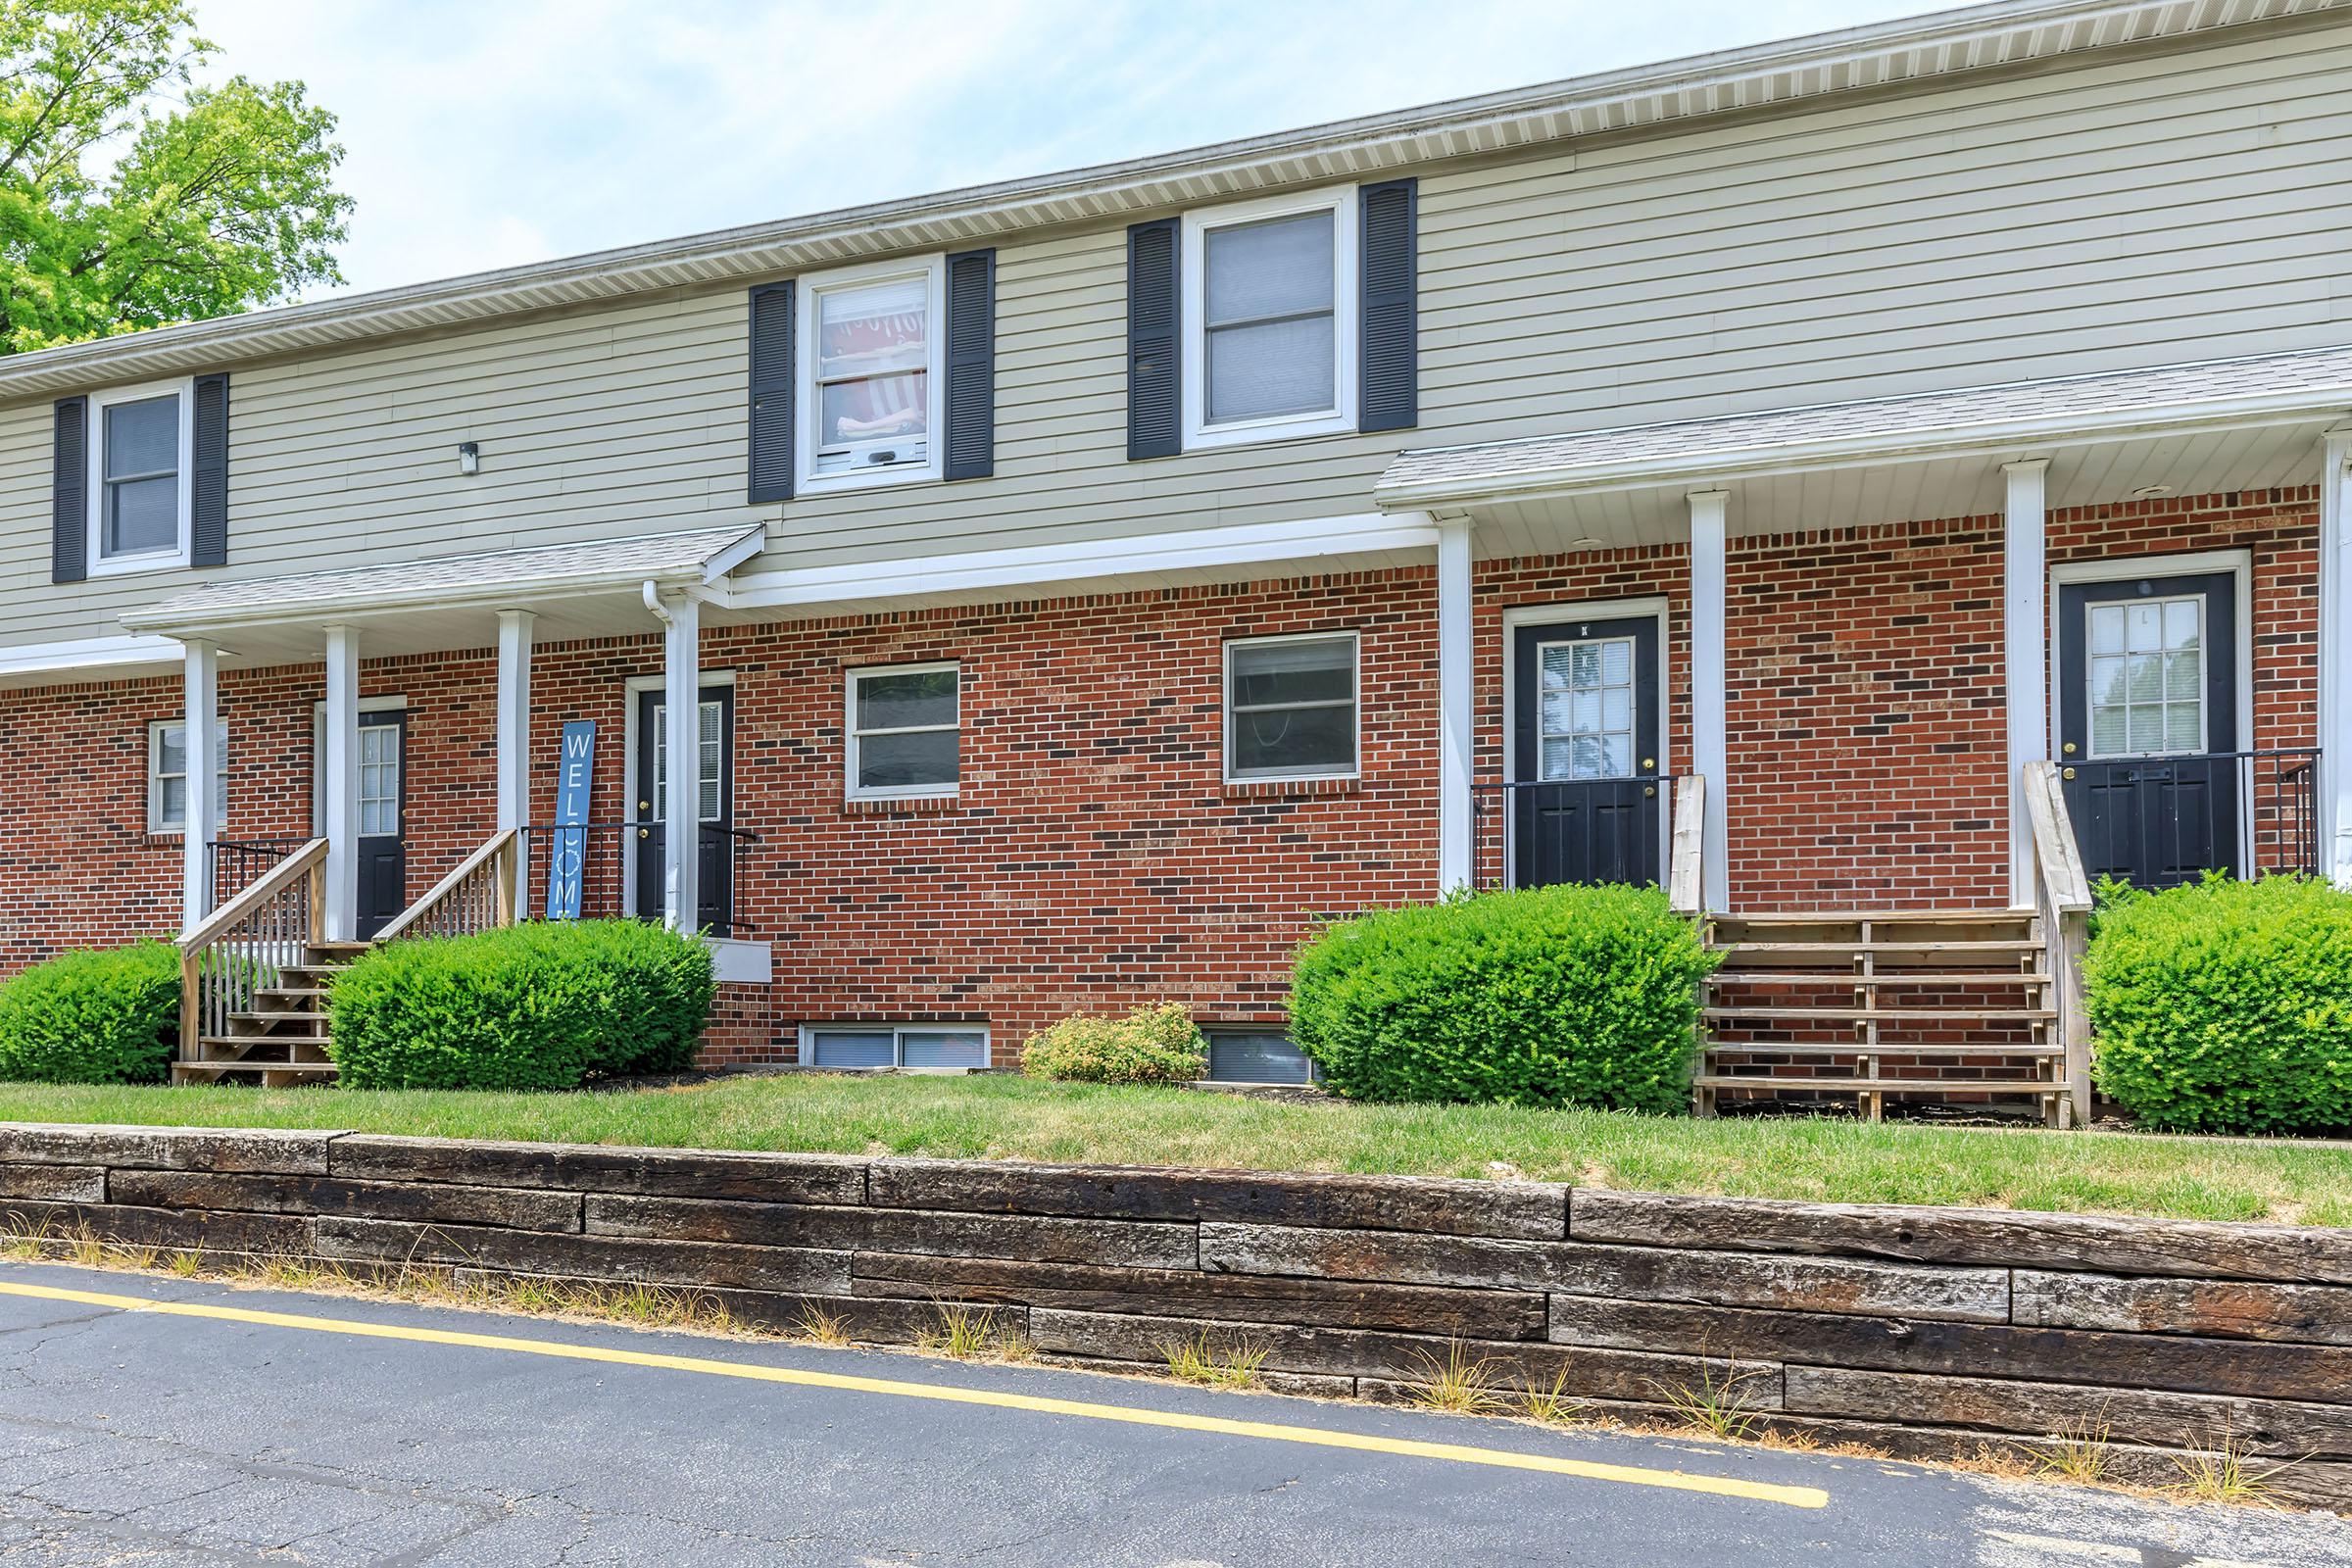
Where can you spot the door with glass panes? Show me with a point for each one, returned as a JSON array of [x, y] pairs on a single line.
[[714, 803], [2147, 725], [1584, 802], [383, 860]]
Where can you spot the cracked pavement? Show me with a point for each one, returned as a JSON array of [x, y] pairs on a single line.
[[143, 1440]]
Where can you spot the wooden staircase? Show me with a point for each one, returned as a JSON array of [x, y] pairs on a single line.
[[279, 1036], [1937, 1004]]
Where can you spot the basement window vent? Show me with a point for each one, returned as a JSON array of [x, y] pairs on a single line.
[[914, 1048], [1257, 1056]]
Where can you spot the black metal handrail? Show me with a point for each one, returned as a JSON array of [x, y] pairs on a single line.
[[238, 864], [2275, 789], [1495, 802], [594, 854]]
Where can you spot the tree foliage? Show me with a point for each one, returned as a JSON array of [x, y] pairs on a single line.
[[132, 197]]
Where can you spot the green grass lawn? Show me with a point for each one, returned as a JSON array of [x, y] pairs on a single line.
[[1015, 1118]]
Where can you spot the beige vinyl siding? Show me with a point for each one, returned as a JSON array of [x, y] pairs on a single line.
[[2165, 207]]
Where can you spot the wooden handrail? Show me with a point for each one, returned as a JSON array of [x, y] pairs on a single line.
[[497, 847], [2054, 848], [1685, 887], [259, 892]]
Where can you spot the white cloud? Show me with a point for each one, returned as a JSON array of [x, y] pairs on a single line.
[[480, 135]]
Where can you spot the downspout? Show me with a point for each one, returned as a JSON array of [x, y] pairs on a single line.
[[653, 602]]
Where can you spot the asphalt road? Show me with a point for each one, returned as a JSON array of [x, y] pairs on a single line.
[[358, 1437]]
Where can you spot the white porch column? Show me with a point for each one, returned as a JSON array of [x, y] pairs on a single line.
[[515, 731], [681, 821], [1710, 748], [200, 666], [2336, 659], [339, 782], [1456, 867], [2024, 639]]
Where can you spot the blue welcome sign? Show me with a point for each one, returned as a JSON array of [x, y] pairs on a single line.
[[568, 844]]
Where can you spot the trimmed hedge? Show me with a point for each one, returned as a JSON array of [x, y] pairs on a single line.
[[545, 1005], [107, 1015], [1558, 995], [1153, 1044], [2225, 1006]]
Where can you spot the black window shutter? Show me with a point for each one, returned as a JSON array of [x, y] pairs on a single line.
[[70, 492], [1389, 394], [1152, 341], [208, 521], [772, 392], [971, 364]]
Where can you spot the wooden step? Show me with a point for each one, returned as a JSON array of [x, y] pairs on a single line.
[[1878, 949], [1931, 1086], [1874, 916], [273, 1074], [1880, 977], [290, 992], [245, 1045], [1862, 1015], [337, 945], [271, 1020]]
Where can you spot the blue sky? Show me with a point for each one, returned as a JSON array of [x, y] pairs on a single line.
[[493, 132]]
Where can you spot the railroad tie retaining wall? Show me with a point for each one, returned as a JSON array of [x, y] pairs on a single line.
[[1915, 1331]]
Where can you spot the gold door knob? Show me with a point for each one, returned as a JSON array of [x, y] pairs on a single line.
[[1649, 789], [2068, 774], [644, 832], [2068, 747], [647, 806], [1649, 762]]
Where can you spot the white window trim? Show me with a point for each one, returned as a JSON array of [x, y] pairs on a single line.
[[898, 1042], [849, 735], [933, 270], [101, 564], [1347, 320], [628, 768], [1356, 646], [1518, 616], [394, 703], [156, 828]]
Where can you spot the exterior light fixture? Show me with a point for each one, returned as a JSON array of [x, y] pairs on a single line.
[[2149, 492], [469, 457]]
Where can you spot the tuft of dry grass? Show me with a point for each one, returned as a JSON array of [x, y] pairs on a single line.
[[1711, 1405], [1456, 1383], [2222, 1470], [1552, 1404], [965, 1332], [820, 1326], [2082, 1452], [1199, 1360]]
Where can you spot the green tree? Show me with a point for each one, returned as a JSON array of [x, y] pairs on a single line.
[[130, 196]]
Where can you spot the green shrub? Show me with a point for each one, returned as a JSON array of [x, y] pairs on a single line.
[[107, 1016], [1558, 995], [2225, 1006], [1153, 1044], [539, 1005]]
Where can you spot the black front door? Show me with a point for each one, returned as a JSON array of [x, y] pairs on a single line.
[[2147, 725], [714, 796], [1584, 802], [383, 819]]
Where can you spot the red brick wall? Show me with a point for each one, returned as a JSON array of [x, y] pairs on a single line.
[[1093, 857]]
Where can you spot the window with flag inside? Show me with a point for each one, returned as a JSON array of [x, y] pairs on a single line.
[[168, 776], [871, 377], [1291, 707], [140, 481], [903, 731], [1270, 307]]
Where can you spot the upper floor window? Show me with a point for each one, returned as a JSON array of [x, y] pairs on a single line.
[[139, 484], [871, 374], [1270, 318], [903, 731]]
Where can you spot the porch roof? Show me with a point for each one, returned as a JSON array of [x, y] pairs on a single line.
[[589, 588], [2307, 387]]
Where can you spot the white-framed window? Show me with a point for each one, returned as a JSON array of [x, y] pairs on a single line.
[[1584, 724], [710, 761], [140, 484], [168, 776], [1269, 316], [903, 729], [2147, 677], [932, 1046], [1291, 707], [872, 375]]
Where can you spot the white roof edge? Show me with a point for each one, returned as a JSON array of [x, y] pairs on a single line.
[[189, 614], [1768, 74], [1735, 458]]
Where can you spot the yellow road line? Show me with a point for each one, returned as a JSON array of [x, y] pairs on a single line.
[[1132, 1415]]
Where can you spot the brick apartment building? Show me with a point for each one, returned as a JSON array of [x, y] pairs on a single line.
[[1084, 583]]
